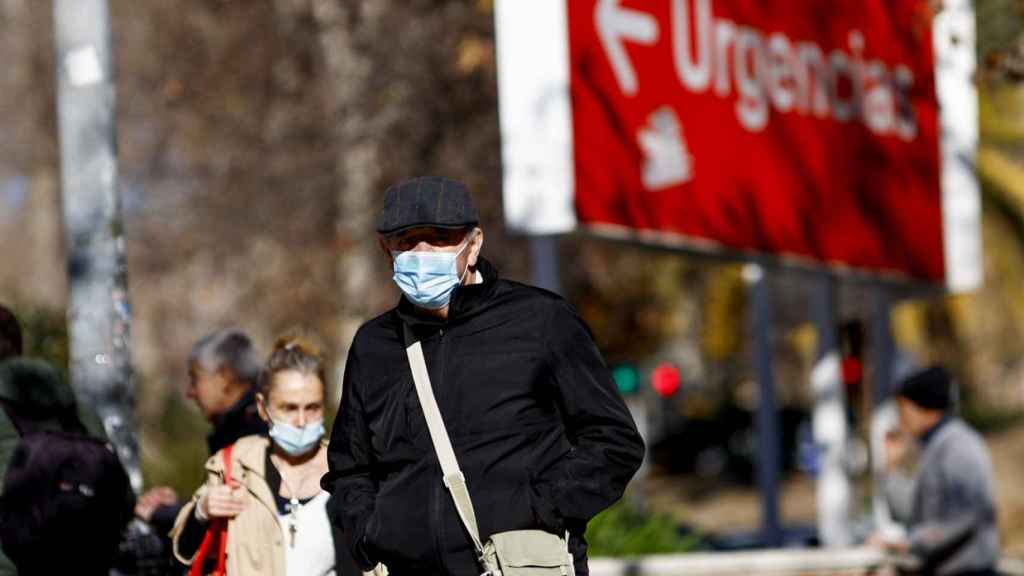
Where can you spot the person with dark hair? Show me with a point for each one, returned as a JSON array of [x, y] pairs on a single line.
[[528, 436], [223, 372], [279, 524], [10, 334], [948, 502]]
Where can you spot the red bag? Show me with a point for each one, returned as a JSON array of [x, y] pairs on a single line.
[[217, 532]]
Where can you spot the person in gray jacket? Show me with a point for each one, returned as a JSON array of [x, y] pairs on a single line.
[[948, 502]]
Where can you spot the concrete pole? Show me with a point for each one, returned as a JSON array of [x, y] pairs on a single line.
[[829, 421], [99, 317]]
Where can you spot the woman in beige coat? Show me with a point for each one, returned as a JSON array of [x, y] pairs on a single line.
[[273, 503]]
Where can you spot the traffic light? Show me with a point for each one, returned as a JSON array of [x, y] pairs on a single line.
[[626, 379], [665, 379], [851, 346]]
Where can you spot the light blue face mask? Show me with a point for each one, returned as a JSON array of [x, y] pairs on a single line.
[[428, 278], [296, 440]]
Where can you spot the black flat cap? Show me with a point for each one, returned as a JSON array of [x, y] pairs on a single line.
[[427, 201], [931, 388]]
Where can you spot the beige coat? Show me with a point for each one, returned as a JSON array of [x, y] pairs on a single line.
[[255, 545]]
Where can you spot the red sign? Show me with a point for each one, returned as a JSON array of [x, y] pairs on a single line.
[[805, 128]]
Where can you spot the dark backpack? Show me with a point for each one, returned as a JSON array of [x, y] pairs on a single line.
[[65, 501]]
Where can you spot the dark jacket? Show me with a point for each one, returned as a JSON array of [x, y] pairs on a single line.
[[243, 419], [949, 508], [537, 425], [33, 389]]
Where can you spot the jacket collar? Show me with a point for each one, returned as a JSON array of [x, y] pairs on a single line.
[[228, 426], [249, 456], [929, 436], [467, 300], [248, 453]]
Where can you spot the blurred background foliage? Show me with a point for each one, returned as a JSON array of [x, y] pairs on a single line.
[[45, 335], [257, 137], [622, 530]]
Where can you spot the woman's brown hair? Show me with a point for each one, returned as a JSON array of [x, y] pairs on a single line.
[[293, 352]]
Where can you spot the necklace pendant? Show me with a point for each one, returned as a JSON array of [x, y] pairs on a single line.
[[292, 529]]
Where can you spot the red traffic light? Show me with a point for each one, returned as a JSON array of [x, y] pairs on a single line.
[[853, 371], [665, 379]]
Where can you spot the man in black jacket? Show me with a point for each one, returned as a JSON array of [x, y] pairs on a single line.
[[537, 425]]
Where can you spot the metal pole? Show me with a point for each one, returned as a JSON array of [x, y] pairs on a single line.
[[768, 430], [98, 313], [883, 418], [882, 343], [829, 421], [544, 264]]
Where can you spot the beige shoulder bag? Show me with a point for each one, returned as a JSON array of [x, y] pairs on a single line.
[[512, 553]]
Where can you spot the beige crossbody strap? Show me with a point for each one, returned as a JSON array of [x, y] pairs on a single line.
[[454, 480]]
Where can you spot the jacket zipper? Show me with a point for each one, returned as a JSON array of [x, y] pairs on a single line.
[[438, 521], [439, 490]]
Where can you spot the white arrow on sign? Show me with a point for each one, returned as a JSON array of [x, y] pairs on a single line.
[[667, 162], [615, 25]]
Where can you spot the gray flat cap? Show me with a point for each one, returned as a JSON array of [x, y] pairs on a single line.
[[427, 201]]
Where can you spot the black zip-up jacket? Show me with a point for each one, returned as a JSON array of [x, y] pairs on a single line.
[[537, 425]]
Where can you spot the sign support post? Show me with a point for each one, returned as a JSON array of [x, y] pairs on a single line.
[[768, 433], [544, 263], [882, 344]]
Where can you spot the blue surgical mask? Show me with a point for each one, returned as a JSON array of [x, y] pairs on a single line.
[[296, 440], [428, 278]]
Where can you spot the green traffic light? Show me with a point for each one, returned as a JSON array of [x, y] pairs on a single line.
[[626, 379]]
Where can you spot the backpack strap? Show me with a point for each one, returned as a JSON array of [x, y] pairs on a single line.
[[21, 425], [226, 456], [217, 531], [223, 554], [454, 479]]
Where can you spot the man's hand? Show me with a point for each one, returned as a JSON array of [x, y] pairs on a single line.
[[898, 545], [897, 449], [226, 501], [153, 499]]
